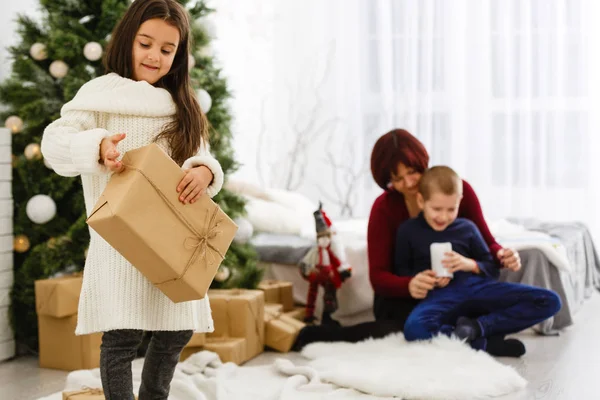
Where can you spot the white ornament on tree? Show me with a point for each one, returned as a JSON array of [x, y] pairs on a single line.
[[206, 51], [204, 99], [59, 69], [14, 123], [38, 51], [41, 208], [244, 232], [47, 164], [92, 51], [222, 274]]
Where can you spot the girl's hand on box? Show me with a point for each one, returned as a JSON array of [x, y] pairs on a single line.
[[194, 183], [109, 152]]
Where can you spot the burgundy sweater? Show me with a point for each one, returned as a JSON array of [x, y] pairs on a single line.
[[388, 212]]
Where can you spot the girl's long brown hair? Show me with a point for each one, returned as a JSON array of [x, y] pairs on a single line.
[[190, 126]]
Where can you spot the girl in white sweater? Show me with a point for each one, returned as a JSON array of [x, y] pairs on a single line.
[[146, 96]]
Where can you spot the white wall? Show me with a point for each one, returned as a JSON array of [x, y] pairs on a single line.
[[8, 36], [7, 343]]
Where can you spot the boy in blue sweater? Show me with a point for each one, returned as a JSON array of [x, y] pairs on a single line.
[[472, 304]]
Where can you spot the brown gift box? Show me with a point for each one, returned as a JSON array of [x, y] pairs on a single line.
[[84, 394], [197, 340], [58, 297], [279, 292], [281, 330], [229, 349], [298, 313], [59, 347], [177, 247], [188, 351], [239, 313]]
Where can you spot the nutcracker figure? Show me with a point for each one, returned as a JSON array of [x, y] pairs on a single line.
[[323, 266]]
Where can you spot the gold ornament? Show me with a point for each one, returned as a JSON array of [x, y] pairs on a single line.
[[21, 243], [222, 274], [33, 151], [64, 240], [51, 243], [14, 123]]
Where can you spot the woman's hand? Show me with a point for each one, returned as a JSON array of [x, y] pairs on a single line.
[[510, 259], [421, 284], [454, 262], [109, 152], [194, 183]]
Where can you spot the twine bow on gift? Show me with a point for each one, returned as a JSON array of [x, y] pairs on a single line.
[[85, 390], [201, 243]]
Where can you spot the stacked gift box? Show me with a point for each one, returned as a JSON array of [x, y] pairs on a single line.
[[56, 303], [246, 322], [85, 394]]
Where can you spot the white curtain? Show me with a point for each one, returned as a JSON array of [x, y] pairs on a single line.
[[504, 91]]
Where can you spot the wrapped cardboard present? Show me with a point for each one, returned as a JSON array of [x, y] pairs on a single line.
[[239, 313], [281, 330], [229, 349], [188, 351], [84, 394], [297, 313], [279, 292], [58, 297], [56, 303], [177, 247], [197, 340]]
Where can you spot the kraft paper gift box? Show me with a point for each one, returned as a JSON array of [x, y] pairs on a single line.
[[281, 330], [188, 351], [229, 349], [56, 305], [197, 340], [84, 394], [177, 247], [239, 313], [297, 313], [280, 292]]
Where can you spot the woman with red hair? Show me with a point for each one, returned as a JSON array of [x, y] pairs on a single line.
[[398, 160]]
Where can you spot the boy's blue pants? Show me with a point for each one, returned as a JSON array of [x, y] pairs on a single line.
[[500, 308]]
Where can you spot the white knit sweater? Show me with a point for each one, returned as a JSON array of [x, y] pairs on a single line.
[[115, 295]]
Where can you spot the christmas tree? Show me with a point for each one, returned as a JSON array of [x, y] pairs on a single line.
[[53, 59]]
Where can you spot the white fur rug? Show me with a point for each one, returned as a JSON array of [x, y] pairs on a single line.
[[444, 369]]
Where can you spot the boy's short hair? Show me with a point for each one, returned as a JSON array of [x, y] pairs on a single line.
[[441, 179]]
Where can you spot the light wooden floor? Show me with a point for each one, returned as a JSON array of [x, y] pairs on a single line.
[[557, 368]]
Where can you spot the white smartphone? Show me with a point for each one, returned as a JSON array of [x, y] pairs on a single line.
[[438, 251]]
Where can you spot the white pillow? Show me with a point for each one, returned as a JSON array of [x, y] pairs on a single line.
[[301, 206], [267, 216]]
